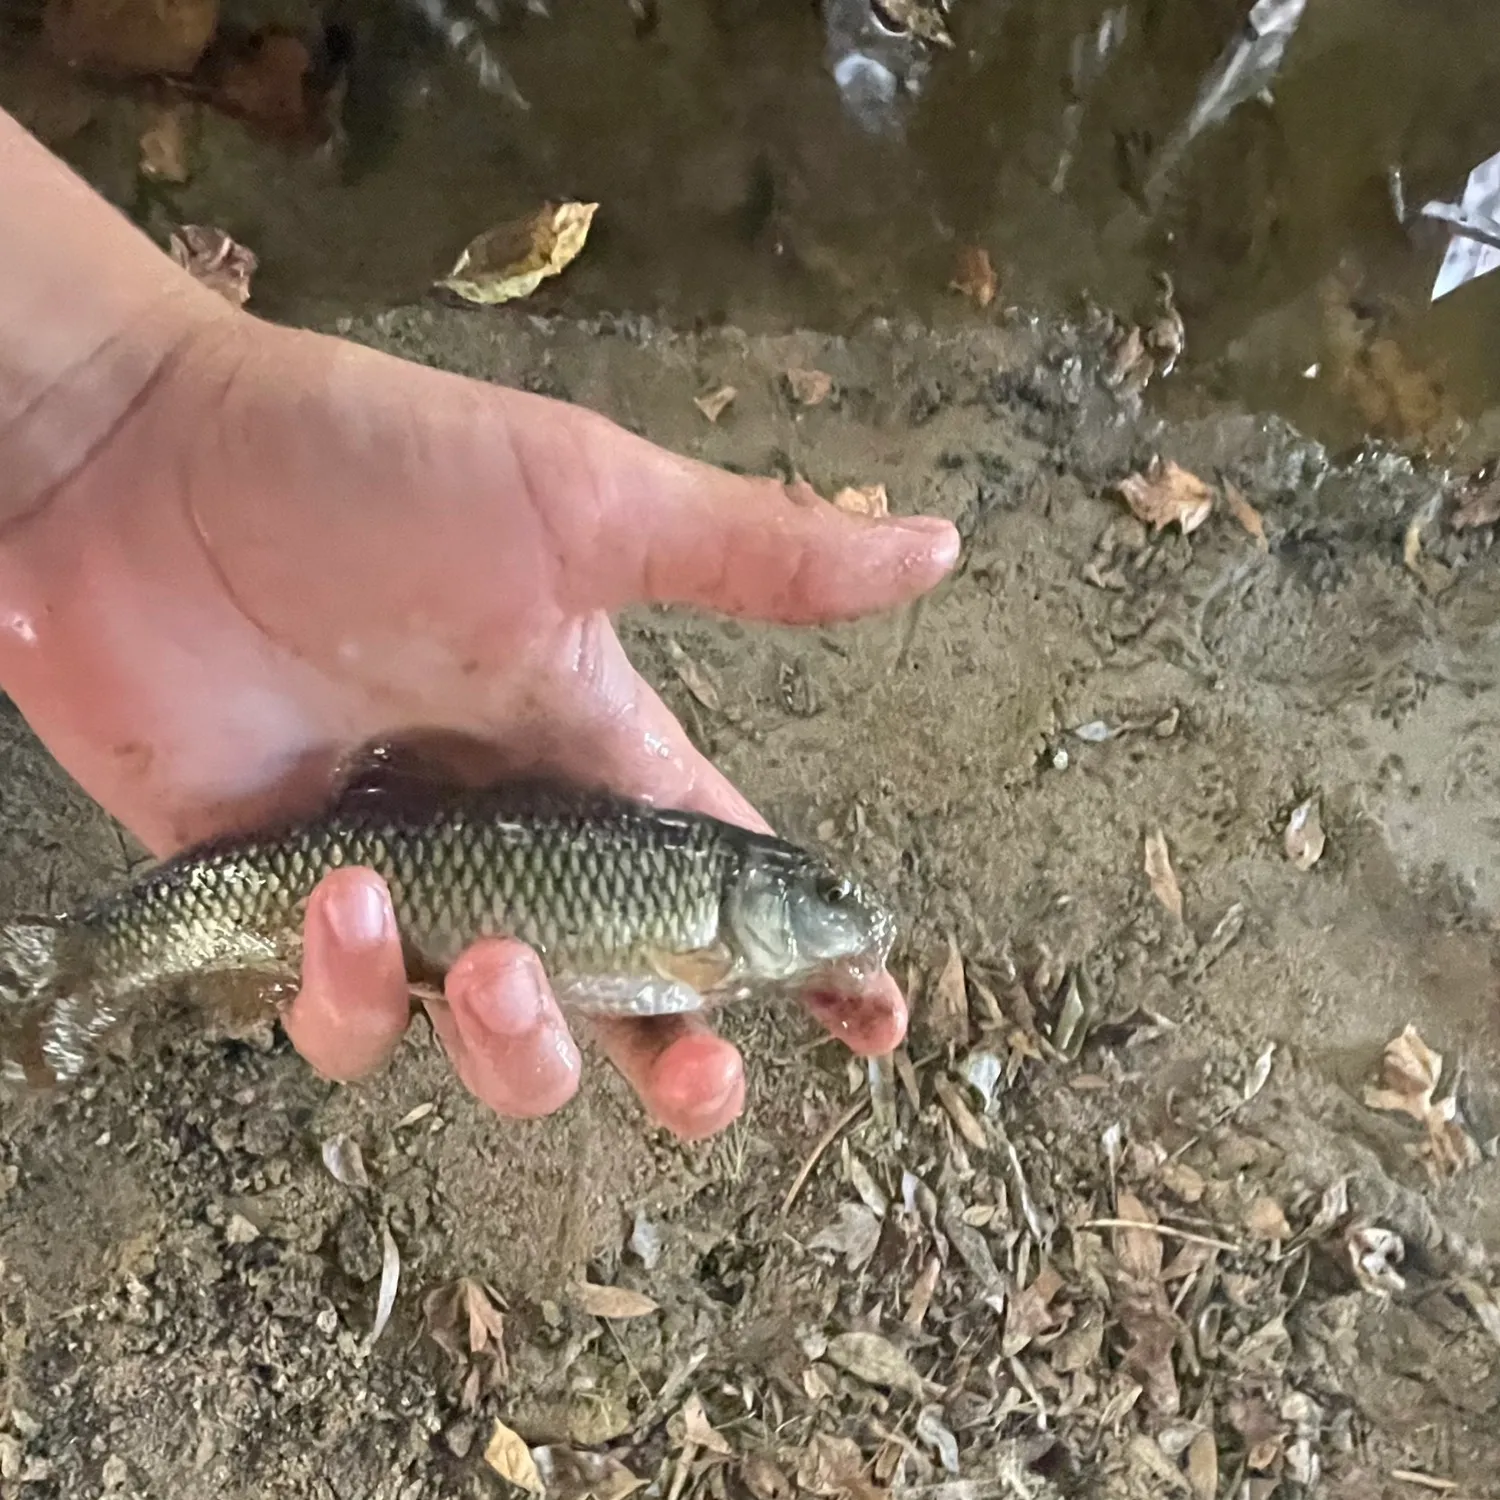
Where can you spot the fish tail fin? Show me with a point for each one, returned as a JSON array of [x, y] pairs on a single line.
[[48, 1015]]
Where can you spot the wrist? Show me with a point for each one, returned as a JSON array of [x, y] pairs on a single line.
[[93, 319]]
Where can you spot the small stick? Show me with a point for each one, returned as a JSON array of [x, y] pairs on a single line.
[[1165, 1230]]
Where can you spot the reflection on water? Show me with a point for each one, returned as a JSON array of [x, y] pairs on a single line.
[[777, 165]]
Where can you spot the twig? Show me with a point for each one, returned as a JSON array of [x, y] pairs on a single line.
[[828, 1137], [1163, 1229], [1427, 1481]]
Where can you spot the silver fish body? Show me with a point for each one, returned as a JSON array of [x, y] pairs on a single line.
[[634, 910]]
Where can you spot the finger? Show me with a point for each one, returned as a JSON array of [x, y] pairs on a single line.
[[504, 1033], [353, 1006], [690, 1080], [870, 1020], [669, 530]]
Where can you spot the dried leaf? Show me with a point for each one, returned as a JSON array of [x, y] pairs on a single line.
[[462, 1317], [876, 1361], [871, 500], [645, 1240], [714, 404], [855, 1237], [1266, 1220], [1159, 872], [974, 276], [930, 1430], [949, 1016], [390, 1279], [1030, 1313], [1374, 1253], [612, 1301], [507, 1454], [345, 1162], [1139, 1251], [1408, 1076], [1166, 494], [1304, 837], [960, 1113], [577, 1474], [1480, 505], [513, 259], [809, 387], [215, 259], [1246, 514], [1182, 1181], [164, 144], [764, 1479], [698, 1430], [1203, 1467], [834, 1466], [694, 678], [109, 36], [420, 1112]]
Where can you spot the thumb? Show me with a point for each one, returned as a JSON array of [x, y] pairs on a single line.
[[664, 529]]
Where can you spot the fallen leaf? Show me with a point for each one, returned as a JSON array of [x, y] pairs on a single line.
[[1409, 1073], [164, 144], [1304, 838], [1203, 1466], [507, 1454], [694, 678], [764, 1479], [1159, 872], [974, 276], [1183, 1181], [1374, 1253], [949, 1016], [463, 1318], [1143, 1309], [131, 37], [1167, 493], [960, 1113], [698, 1430], [390, 1279], [612, 1301], [932, 1431], [871, 500], [1266, 1220], [1246, 514], [855, 1237], [577, 1474], [834, 1466], [716, 402], [876, 1361], [1139, 1251], [809, 387], [345, 1162], [1479, 505], [420, 1112], [216, 260], [1029, 1313], [513, 259]]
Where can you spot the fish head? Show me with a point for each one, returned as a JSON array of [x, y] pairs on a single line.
[[792, 914]]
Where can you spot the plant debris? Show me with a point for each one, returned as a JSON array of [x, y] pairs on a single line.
[[612, 1301], [1304, 839], [513, 259], [1167, 494], [345, 1161], [390, 1279], [507, 1454], [1409, 1075], [1159, 873], [809, 387], [973, 275], [1250, 520], [871, 500], [714, 404], [216, 260]]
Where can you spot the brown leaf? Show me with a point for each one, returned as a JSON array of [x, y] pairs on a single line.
[[1159, 872], [949, 1016], [960, 1113], [1029, 1313], [871, 500], [514, 258], [876, 1361], [809, 387], [1266, 1220], [1182, 1181], [856, 1236], [764, 1479], [215, 259], [974, 276], [1304, 838], [1409, 1072], [1203, 1467], [164, 144], [715, 403], [577, 1474], [1139, 1251], [612, 1301], [507, 1454], [834, 1466], [1166, 494], [698, 1430], [126, 37], [1246, 514]]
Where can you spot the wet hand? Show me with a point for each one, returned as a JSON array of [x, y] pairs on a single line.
[[292, 545]]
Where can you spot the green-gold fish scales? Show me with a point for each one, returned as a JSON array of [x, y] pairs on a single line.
[[634, 910]]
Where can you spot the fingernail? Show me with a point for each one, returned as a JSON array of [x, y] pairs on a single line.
[[507, 1000], [359, 915]]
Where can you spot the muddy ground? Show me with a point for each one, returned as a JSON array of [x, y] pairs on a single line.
[[186, 1289]]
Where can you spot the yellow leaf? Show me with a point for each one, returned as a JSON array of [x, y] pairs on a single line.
[[1166, 494], [871, 500], [513, 259], [507, 1454]]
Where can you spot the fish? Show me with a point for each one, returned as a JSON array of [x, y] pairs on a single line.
[[634, 910]]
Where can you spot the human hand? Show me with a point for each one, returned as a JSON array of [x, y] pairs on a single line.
[[293, 545]]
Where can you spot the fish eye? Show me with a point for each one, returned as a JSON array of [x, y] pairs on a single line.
[[835, 890]]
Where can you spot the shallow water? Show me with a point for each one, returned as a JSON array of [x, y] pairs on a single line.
[[739, 182]]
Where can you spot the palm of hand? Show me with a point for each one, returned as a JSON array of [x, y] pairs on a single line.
[[342, 547]]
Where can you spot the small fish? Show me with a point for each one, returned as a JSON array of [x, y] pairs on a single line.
[[634, 911]]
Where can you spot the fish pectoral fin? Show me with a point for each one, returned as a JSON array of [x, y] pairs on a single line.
[[622, 996], [704, 969]]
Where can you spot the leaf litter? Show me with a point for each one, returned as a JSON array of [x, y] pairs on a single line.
[[512, 260], [1409, 1075], [1165, 495]]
